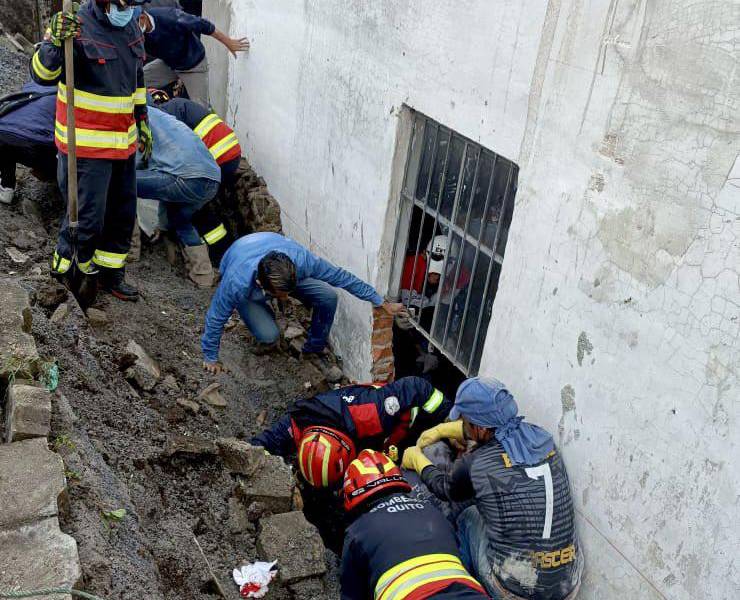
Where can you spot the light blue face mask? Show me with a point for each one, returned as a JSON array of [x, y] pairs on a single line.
[[118, 17]]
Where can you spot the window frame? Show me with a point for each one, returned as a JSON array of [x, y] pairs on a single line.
[[409, 201]]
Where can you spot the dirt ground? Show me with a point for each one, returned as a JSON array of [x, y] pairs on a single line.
[[114, 436]]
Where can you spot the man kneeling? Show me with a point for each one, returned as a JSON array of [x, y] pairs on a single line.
[[397, 547]]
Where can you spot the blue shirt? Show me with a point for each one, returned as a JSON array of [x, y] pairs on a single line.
[[239, 271], [176, 37], [178, 150], [33, 122]]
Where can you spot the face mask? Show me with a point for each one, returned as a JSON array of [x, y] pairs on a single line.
[[118, 17]]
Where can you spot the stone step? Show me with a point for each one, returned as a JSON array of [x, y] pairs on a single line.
[[27, 412], [18, 355]]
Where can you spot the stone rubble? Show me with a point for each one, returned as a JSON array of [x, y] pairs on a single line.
[[291, 540], [27, 412]]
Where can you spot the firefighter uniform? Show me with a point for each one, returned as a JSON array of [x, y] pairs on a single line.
[[109, 98], [223, 145], [373, 416], [402, 548]]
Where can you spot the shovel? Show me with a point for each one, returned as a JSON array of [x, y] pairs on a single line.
[[84, 288]]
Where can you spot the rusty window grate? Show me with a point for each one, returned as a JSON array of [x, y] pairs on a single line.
[[458, 192]]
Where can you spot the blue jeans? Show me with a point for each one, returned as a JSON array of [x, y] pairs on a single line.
[[317, 295], [473, 543], [182, 198]]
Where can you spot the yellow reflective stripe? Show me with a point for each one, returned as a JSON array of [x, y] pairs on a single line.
[[363, 470], [92, 138], [110, 260], [85, 267], [414, 413], [123, 105], [42, 71], [415, 572], [325, 462], [215, 235], [204, 127], [434, 401], [300, 461], [140, 96], [60, 264], [226, 144]]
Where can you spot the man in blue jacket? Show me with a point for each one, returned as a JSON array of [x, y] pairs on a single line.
[[27, 135], [261, 265], [172, 36], [184, 177]]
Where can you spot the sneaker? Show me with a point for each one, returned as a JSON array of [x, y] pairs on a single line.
[[114, 282], [6, 195]]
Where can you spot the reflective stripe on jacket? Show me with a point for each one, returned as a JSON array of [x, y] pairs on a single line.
[[109, 86]]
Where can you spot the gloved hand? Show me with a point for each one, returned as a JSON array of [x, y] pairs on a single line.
[[146, 140], [452, 430], [403, 320], [414, 459], [64, 25]]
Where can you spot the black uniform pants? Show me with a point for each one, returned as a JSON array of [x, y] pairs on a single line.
[[34, 155], [106, 213]]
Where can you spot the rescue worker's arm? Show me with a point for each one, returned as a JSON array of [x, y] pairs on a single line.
[[354, 578], [201, 26], [47, 61], [278, 439], [222, 305], [453, 486], [146, 140]]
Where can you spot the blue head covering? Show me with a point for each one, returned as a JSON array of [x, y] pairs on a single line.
[[487, 403]]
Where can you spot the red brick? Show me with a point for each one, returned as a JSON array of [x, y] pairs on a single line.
[[382, 352], [382, 337]]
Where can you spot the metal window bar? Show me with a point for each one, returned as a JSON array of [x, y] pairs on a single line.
[[423, 213], [456, 207], [434, 233], [486, 289]]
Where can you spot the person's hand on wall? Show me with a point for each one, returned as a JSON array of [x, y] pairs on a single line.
[[234, 45]]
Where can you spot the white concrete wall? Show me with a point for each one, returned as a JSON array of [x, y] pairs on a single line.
[[617, 320]]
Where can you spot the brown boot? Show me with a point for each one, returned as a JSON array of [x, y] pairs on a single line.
[[198, 265]]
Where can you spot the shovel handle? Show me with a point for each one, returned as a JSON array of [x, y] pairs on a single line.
[[69, 74]]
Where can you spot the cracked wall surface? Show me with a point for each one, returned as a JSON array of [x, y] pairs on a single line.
[[617, 319]]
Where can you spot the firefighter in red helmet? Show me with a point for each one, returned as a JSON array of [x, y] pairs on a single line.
[[111, 119], [397, 547]]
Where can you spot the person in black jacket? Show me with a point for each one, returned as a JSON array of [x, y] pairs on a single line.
[[173, 39], [519, 539], [397, 546]]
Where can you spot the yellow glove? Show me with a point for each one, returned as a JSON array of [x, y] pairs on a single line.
[[452, 430], [414, 459]]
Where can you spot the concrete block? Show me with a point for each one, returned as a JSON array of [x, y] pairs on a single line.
[[27, 413], [18, 356], [38, 556], [31, 480], [295, 544], [241, 457]]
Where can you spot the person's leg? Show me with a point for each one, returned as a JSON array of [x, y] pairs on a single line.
[[322, 299], [120, 216], [213, 231], [158, 75], [260, 320], [473, 546], [7, 173], [196, 83], [93, 180]]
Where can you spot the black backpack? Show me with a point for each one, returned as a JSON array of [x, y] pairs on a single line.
[[15, 100]]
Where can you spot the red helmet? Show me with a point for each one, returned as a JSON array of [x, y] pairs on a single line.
[[371, 473], [323, 455]]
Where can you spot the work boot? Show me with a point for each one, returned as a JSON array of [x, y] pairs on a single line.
[[198, 265], [114, 282]]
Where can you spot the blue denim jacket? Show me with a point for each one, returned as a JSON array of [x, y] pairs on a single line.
[[239, 271], [177, 150]]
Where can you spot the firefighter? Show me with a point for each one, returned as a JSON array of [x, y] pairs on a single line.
[[397, 547], [110, 107], [519, 537], [223, 145], [326, 429]]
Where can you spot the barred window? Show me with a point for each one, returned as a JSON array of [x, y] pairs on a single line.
[[457, 202]]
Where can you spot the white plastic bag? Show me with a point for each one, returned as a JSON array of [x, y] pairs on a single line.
[[254, 578]]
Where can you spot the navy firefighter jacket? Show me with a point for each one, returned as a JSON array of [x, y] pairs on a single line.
[[373, 416], [419, 559], [176, 37]]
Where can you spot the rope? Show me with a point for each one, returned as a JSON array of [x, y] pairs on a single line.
[[49, 592]]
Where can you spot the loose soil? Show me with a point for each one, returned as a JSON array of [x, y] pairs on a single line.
[[114, 437]]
